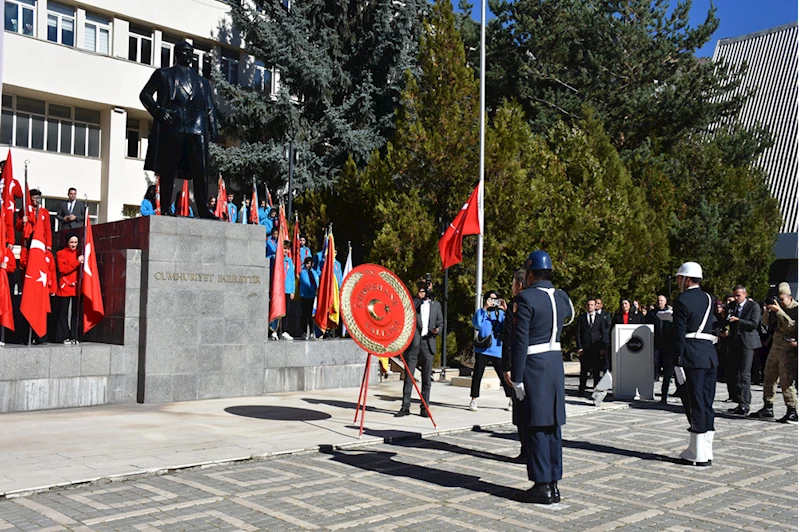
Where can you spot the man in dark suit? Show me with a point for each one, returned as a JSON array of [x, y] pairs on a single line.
[[591, 344], [697, 361], [662, 318], [71, 213], [183, 128], [422, 350], [537, 377], [744, 339]]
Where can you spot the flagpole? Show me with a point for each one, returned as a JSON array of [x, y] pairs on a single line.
[[479, 280], [25, 200]]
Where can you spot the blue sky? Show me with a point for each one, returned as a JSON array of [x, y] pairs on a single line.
[[738, 17]]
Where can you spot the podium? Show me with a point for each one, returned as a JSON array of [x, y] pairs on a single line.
[[633, 361]]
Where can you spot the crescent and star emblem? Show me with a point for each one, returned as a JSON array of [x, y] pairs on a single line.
[[375, 305]]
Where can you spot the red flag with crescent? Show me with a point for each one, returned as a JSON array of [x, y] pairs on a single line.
[[35, 303], [93, 311]]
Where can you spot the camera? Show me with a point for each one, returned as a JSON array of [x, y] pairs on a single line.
[[771, 295], [732, 308]]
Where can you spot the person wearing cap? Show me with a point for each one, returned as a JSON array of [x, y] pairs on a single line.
[[697, 362], [541, 311], [782, 359]]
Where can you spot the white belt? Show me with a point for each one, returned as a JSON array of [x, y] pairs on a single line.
[[543, 348], [702, 336]]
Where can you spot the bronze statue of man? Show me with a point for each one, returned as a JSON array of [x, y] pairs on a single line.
[[182, 105]]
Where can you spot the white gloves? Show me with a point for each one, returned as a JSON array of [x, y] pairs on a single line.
[[518, 389]]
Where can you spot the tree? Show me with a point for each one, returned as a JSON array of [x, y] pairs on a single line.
[[631, 60], [341, 69]]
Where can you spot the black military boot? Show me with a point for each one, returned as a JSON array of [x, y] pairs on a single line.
[[790, 417], [540, 493], [555, 493], [767, 412]]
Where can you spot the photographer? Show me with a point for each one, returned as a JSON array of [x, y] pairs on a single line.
[[782, 359], [488, 322], [743, 320]]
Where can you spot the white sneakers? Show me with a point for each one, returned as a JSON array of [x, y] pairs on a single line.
[[473, 405], [273, 336], [287, 336]]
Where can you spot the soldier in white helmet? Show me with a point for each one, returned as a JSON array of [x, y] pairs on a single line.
[[697, 360]]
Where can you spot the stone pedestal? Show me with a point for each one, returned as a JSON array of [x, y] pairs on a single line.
[[187, 307]]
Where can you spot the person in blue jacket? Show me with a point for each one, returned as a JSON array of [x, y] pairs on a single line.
[[290, 287], [148, 203], [271, 244], [308, 286], [263, 216], [305, 251], [488, 322], [232, 210]]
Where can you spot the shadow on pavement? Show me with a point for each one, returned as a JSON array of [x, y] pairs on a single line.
[[608, 449], [277, 413], [347, 405], [383, 462]]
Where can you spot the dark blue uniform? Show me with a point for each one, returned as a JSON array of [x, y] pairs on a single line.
[[543, 410], [697, 356]]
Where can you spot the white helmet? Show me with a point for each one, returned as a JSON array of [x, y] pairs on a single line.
[[690, 269]]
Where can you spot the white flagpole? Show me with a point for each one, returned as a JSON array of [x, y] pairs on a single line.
[[479, 282]]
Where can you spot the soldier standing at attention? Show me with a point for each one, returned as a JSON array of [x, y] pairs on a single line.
[[537, 377], [696, 355]]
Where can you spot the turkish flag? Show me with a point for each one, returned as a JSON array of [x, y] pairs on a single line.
[[327, 299], [6, 312], [221, 211], [35, 303], [183, 204], [10, 193], [469, 221], [295, 247], [254, 205], [93, 311], [269, 198], [283, 233], [277, 291]]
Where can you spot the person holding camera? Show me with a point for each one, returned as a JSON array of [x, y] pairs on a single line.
[[743, 318], [422, 350], [488, 322], [782, 359]]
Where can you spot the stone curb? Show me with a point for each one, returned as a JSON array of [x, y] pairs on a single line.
[[142, 473]]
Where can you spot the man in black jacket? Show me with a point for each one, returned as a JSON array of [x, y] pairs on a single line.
[[744, 339], [592, 342], [662, 317], [422, 350], [184, 127]]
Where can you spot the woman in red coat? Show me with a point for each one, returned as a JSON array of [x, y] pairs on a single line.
[[69, 262]]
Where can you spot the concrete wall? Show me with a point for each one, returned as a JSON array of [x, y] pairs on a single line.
[[186, 304]]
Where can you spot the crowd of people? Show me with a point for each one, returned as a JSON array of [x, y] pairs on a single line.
[[698, 340], [63, 267]]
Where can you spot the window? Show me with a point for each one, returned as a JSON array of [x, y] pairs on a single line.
[[262, 80], [60, 24], [19, 15], [30, 123], [168, 43], [140, 42], [97, 34], [230, 65], [202, 59], [132, 138]]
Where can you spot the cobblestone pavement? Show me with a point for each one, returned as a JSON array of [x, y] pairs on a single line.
[[619, 474]]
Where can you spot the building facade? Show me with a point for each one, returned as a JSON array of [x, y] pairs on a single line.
[[770, 56], [72, 73]]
